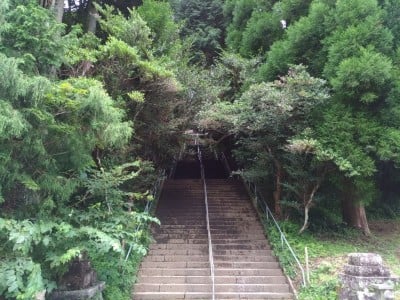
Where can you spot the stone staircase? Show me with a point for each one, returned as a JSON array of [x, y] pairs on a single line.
[[177, 265]]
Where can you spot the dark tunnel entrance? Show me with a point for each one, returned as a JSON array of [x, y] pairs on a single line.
[[189, 166]]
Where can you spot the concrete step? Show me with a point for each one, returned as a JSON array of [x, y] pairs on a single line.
[[239, 246], [245, 258], [207, 287], [240, 288], [182, 288], [242, 226], [203, 296], [223, 233], [230, 216], [207, 279], [233, 223], [215, 236], [233, 211], [180, 252], [168, 246], [183, 241], [200, 213], [174, 272], [183, 222], [247, 272], [172, 257], [181, 226], [259, 240], [181, 235], [223, 272], [246, 265], [175, 279], [174, 230], [177, 265], [242, 252], [214, 232]]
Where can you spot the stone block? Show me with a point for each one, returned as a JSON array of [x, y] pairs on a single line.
[[93, 293], [367, 271], [365, 259], [365, 278]]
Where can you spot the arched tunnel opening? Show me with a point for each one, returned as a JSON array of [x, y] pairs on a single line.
[[189, 166]]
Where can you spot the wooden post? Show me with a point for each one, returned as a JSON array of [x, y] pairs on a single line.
[[307, 266]]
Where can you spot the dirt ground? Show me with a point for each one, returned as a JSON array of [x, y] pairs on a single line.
[[386, 228], [386, 237]]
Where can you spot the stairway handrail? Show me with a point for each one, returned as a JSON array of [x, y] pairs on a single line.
[[155, 192], [210, 250], [262, 203]]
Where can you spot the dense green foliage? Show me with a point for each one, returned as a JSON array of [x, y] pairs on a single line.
[[82, 126], [203, 24], [31, 33], [343, 144], [304, 95], [165, 32]]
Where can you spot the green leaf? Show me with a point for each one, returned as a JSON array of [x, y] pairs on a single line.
[[13, 287], [29, 183], [67, 256], [46, 240], [136, 96]]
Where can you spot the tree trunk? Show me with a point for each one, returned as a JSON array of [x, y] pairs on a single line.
[[306, 211], [277, 195], [58, 7], [91, 21], [45, 3], [96, 157], [55, 5], [308, 202], [354, 215]]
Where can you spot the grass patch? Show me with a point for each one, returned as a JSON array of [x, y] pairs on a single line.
[[328, 253]]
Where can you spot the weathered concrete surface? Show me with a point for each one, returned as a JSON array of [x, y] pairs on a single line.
[[366, 278], [94, 293], [177, 265], [79, 283]]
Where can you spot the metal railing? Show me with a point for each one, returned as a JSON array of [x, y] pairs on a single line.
[[155, 192], [262, 204], [210, 250]]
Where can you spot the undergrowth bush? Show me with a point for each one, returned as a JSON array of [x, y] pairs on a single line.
[[35, 253], [284, 256], [327, 251], [323, 284], [118, 273], [323, 279], [34, 256]]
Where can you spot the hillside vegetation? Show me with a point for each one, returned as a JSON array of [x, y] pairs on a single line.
[[303, 97]]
